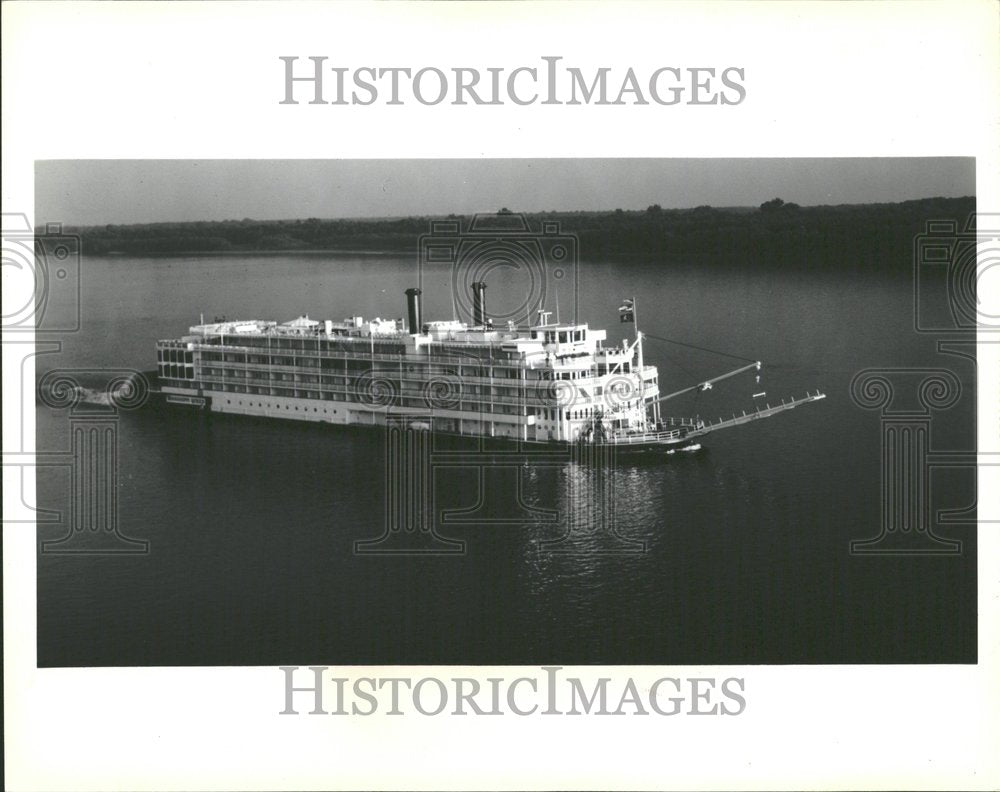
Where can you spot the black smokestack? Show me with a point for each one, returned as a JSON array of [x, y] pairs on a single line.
[[413, 309], [479, 304]]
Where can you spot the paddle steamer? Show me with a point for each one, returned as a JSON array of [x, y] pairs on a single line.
[[549, 382]]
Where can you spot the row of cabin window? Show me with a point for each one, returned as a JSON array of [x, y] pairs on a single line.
[[360, 364], [400, 400], [174, 355], [563, 336], [572, 415]]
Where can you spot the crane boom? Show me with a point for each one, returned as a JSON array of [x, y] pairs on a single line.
[[708, 383]]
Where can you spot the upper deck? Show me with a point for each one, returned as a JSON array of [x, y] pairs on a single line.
[[547, 345]]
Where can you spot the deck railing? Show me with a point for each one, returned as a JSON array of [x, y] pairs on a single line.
[[697, 428]]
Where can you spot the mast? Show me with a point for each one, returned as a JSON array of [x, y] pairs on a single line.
[[638, 341]]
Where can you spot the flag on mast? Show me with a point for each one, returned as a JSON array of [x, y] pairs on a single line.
[[626, 313]]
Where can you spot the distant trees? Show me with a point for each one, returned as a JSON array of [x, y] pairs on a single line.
[[778, 205], [776, 232]]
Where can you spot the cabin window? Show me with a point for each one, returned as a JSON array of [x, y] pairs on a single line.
[[562, 337]]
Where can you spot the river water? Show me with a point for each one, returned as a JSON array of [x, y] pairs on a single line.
[[743, 548]]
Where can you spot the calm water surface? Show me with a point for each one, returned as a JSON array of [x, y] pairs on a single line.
[[252, 523]]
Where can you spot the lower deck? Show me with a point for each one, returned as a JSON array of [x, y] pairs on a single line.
[[347, 414], [517, 428]]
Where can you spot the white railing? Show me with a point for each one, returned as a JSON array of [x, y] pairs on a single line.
[[698, 428]]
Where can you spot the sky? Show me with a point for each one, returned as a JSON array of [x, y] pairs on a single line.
[[99, 192]]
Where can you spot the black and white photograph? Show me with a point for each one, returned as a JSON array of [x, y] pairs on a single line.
[[537, 395], [624, 430]]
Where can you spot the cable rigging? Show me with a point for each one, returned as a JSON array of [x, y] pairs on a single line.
[[700, 348]]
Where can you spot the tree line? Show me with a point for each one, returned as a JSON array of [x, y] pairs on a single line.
[[776, 231]]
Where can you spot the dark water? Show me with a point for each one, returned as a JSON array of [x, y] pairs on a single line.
[[251, 524]]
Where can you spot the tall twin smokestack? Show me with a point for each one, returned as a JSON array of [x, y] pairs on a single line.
[[413, 309], [479, 304], [478, 307]]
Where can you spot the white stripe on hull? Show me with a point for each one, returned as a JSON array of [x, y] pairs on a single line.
[[341, 413]]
